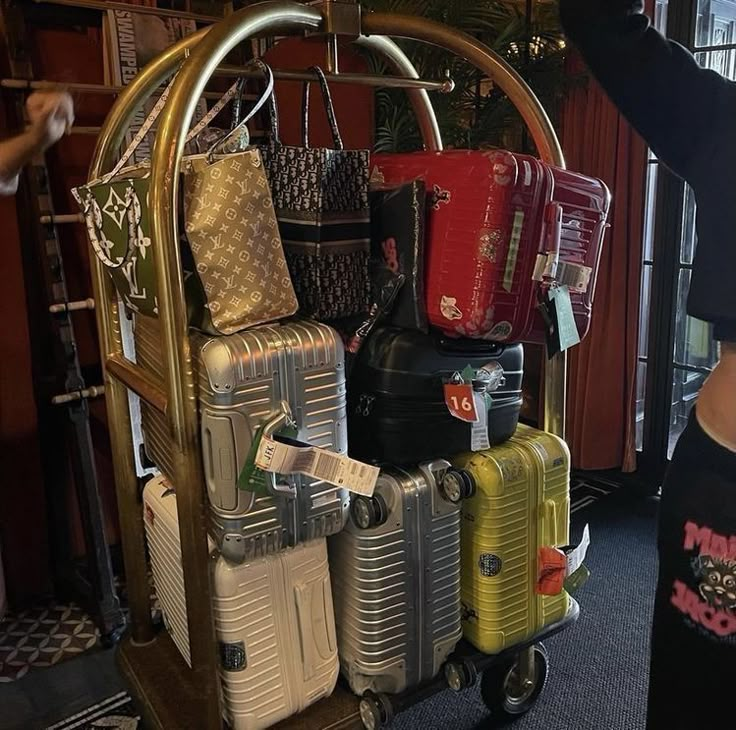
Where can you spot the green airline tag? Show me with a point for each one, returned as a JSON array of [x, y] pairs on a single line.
[[577, 580], [253, 479]]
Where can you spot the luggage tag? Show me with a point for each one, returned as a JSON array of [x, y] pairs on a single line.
[[460, 398], [467, 399], [562, 568], [286, 455], [252, 478], [561, 329]]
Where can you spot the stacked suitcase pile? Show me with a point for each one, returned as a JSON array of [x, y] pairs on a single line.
[[309, 580]]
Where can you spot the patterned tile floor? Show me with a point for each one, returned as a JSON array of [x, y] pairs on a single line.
[[41, 636], [50, 632]]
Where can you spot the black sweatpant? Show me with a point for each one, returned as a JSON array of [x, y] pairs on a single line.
[[693, 660]]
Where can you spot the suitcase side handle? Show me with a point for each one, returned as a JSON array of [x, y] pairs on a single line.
[[549, 523], [275, 423]]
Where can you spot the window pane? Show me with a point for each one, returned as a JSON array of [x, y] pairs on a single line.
[[684, 394], [660, 15], [650, 211], [646, 297], [689, 237], [641, 391], [724, 62], [715, 23], [694, 344]]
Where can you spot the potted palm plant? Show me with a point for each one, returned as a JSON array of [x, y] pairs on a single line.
[[476, 114]]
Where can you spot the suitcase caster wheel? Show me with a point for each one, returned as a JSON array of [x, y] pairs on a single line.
[[369, 512], [457, 485], [460, 675], [375, 711], [503, 692]]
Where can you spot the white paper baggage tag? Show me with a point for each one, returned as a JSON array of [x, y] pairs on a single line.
[[282, 458], [576, 557], [479, 430]]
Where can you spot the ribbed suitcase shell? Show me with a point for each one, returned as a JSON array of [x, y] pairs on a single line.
[[274, 620], [487, 222], [396, 587], [241, 379], [522, 503]]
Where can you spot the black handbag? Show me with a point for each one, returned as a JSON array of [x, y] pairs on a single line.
[[322, 206]]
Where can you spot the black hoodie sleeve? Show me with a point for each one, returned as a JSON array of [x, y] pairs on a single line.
[[658, 86]]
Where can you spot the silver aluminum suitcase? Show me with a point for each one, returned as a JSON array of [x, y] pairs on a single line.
[[242, 381], [396, 579]]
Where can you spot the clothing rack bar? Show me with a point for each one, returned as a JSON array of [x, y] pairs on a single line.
[[23, 85], [64, 218], [444, 86], [64, 307], [93, 392], [143, 9]]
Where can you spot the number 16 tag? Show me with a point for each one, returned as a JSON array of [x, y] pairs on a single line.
[[460, 401]]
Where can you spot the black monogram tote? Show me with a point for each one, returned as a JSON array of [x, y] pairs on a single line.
[[322, 206]]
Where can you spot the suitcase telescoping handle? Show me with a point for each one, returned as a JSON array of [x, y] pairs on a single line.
[[275, 423], [546, 265]]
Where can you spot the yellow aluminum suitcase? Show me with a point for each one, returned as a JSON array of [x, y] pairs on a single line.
[[522, 503]]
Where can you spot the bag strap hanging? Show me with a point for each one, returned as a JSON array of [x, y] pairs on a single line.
[[154, 115], [273, 113], [329, 108], [242, 124]]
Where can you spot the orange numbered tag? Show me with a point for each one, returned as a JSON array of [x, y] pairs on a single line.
[[460, 401], [552, 571]]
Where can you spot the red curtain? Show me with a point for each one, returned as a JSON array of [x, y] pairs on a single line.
[[601, 426]]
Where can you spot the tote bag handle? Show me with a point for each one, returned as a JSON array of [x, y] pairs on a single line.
[[329, 108]]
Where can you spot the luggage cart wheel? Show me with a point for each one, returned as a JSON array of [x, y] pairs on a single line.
[[457, 485], [112, 638], [460, 674], [375, 711], [369, 512], [504, 692]]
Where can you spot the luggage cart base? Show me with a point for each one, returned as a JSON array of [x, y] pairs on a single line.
[[158, 678]]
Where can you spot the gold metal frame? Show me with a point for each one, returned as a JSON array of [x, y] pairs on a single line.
[[199, 56]]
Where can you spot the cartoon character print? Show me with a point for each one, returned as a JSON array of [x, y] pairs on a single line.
[[449, 308], [440, 197], [717, 582]]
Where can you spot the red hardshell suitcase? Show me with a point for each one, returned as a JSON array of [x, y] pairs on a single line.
[[501, 228]]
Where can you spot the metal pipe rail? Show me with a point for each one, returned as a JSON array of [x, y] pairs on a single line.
[[144, 9], [444, 86], [201, 54]]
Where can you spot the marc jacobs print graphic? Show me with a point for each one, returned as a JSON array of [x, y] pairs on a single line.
[[707, 598]]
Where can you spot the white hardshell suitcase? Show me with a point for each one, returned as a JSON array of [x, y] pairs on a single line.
[[242, 381], [274, 619], [396, 579]]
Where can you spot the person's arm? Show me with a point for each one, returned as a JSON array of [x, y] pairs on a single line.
[[50, 115], [658, 86]]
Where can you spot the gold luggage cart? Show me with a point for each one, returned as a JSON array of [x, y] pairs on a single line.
[[175, 697]]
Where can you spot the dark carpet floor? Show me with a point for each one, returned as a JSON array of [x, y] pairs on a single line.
[[598, 678], [598, 673]]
